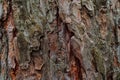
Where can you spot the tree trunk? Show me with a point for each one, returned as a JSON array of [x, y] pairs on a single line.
[[60, 39]]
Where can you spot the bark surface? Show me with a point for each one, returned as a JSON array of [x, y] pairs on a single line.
[[60, 39]]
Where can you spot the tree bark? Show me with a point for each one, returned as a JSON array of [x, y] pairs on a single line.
[[60, 39]]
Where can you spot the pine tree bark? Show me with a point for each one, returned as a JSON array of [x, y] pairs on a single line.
[[60, 39]]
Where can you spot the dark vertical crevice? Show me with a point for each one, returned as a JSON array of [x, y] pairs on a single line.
[[4, 20], [115, 31], [75, 67], [6, 75]]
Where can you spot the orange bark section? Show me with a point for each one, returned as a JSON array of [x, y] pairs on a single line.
[[116, 63], [9, 27]]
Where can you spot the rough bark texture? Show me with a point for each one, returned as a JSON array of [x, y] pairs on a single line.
[[60, 39]]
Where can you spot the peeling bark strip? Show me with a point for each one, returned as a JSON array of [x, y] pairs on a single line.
[[60, 39]]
